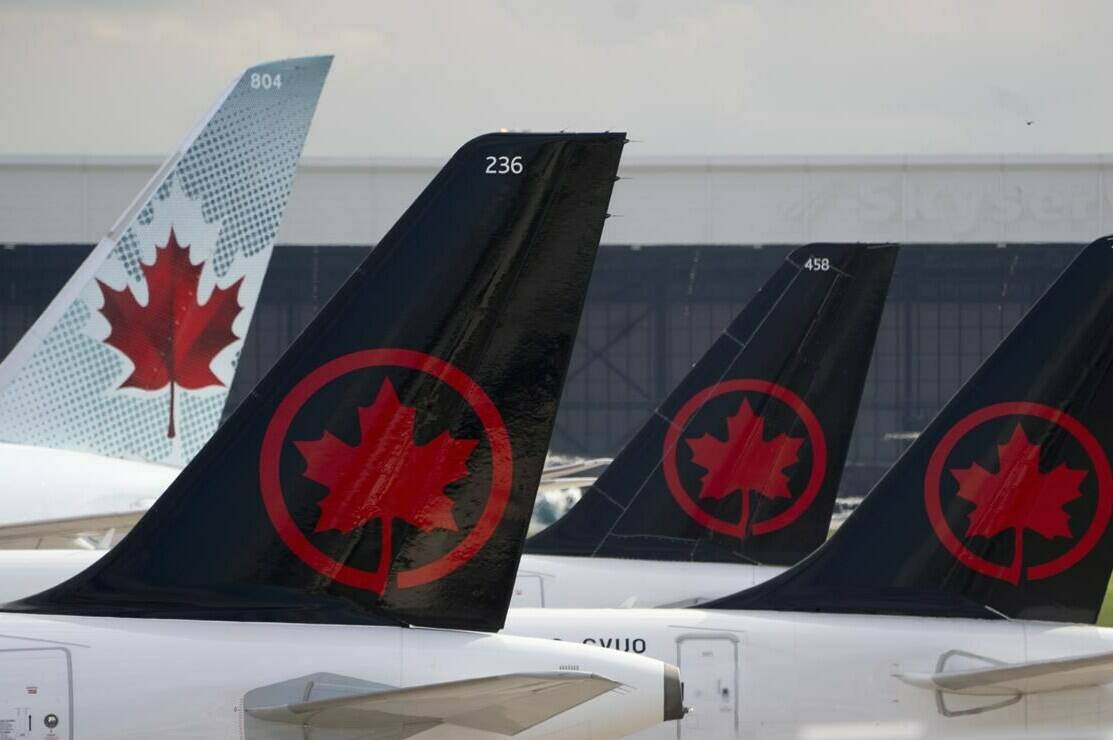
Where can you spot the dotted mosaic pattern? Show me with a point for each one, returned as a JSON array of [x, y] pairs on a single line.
[[225, 199]]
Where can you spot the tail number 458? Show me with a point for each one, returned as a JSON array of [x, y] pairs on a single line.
[[504, 166]]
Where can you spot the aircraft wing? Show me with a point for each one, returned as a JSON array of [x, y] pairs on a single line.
[[32, 535], [572, 468], [570, 475], [506, 704], [1010, 679], [559, 484]]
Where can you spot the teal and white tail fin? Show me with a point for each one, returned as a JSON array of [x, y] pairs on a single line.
[[135, 355]]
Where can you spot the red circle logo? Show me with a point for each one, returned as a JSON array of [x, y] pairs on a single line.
[[746, 461], [1020, 494], [421, 510]]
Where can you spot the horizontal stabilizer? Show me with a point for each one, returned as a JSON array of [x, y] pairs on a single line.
[[506, 704], [1011, 679]]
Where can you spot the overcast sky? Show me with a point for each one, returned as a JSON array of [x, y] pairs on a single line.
[[685, 78]]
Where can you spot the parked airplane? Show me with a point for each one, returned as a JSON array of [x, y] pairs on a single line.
[[734, 476], [959, 599], [376, 483], [125, 375]]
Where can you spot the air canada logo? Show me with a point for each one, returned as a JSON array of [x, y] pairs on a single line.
[[1019, 491], [173, 339], [741, 439], [346, 464]]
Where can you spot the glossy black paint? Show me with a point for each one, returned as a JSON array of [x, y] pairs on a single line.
[[888, 557], [810, 329], [485, 271]]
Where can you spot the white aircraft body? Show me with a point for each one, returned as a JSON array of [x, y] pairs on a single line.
[[133, 360], [547, 581], [785, 675], [56, 495], [106, 678], [746, 674]]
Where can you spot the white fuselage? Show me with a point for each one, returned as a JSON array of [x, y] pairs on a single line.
[[113, 679], [543, 580], [787, 675], [557, 581], [47, 484], [773, 675]]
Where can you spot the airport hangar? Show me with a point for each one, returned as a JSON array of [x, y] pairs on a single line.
[[691, 240]]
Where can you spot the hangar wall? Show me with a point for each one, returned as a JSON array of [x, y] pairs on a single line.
[[727, 200], [694, 240]]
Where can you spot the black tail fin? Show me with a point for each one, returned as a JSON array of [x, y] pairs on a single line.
[[1002, 505], [742, 461], [384, 471]]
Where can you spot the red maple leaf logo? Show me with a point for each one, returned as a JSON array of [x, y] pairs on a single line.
[[745, 462], [387, 475], [172, 340], [1019, 496]]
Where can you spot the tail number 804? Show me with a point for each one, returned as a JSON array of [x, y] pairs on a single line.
[[504, 166], [265, 81]]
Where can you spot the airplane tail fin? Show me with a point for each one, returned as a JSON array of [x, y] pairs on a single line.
[[135, 355], [743, 460], [1002, 505], [384, 470]]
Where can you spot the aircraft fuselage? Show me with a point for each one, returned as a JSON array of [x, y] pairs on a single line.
[[90, 677], [789, 675], [557, 581], [44, 484]]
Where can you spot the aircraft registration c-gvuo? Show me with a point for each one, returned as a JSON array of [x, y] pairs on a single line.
[[125, 375], [330, 564], [959, 599]]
